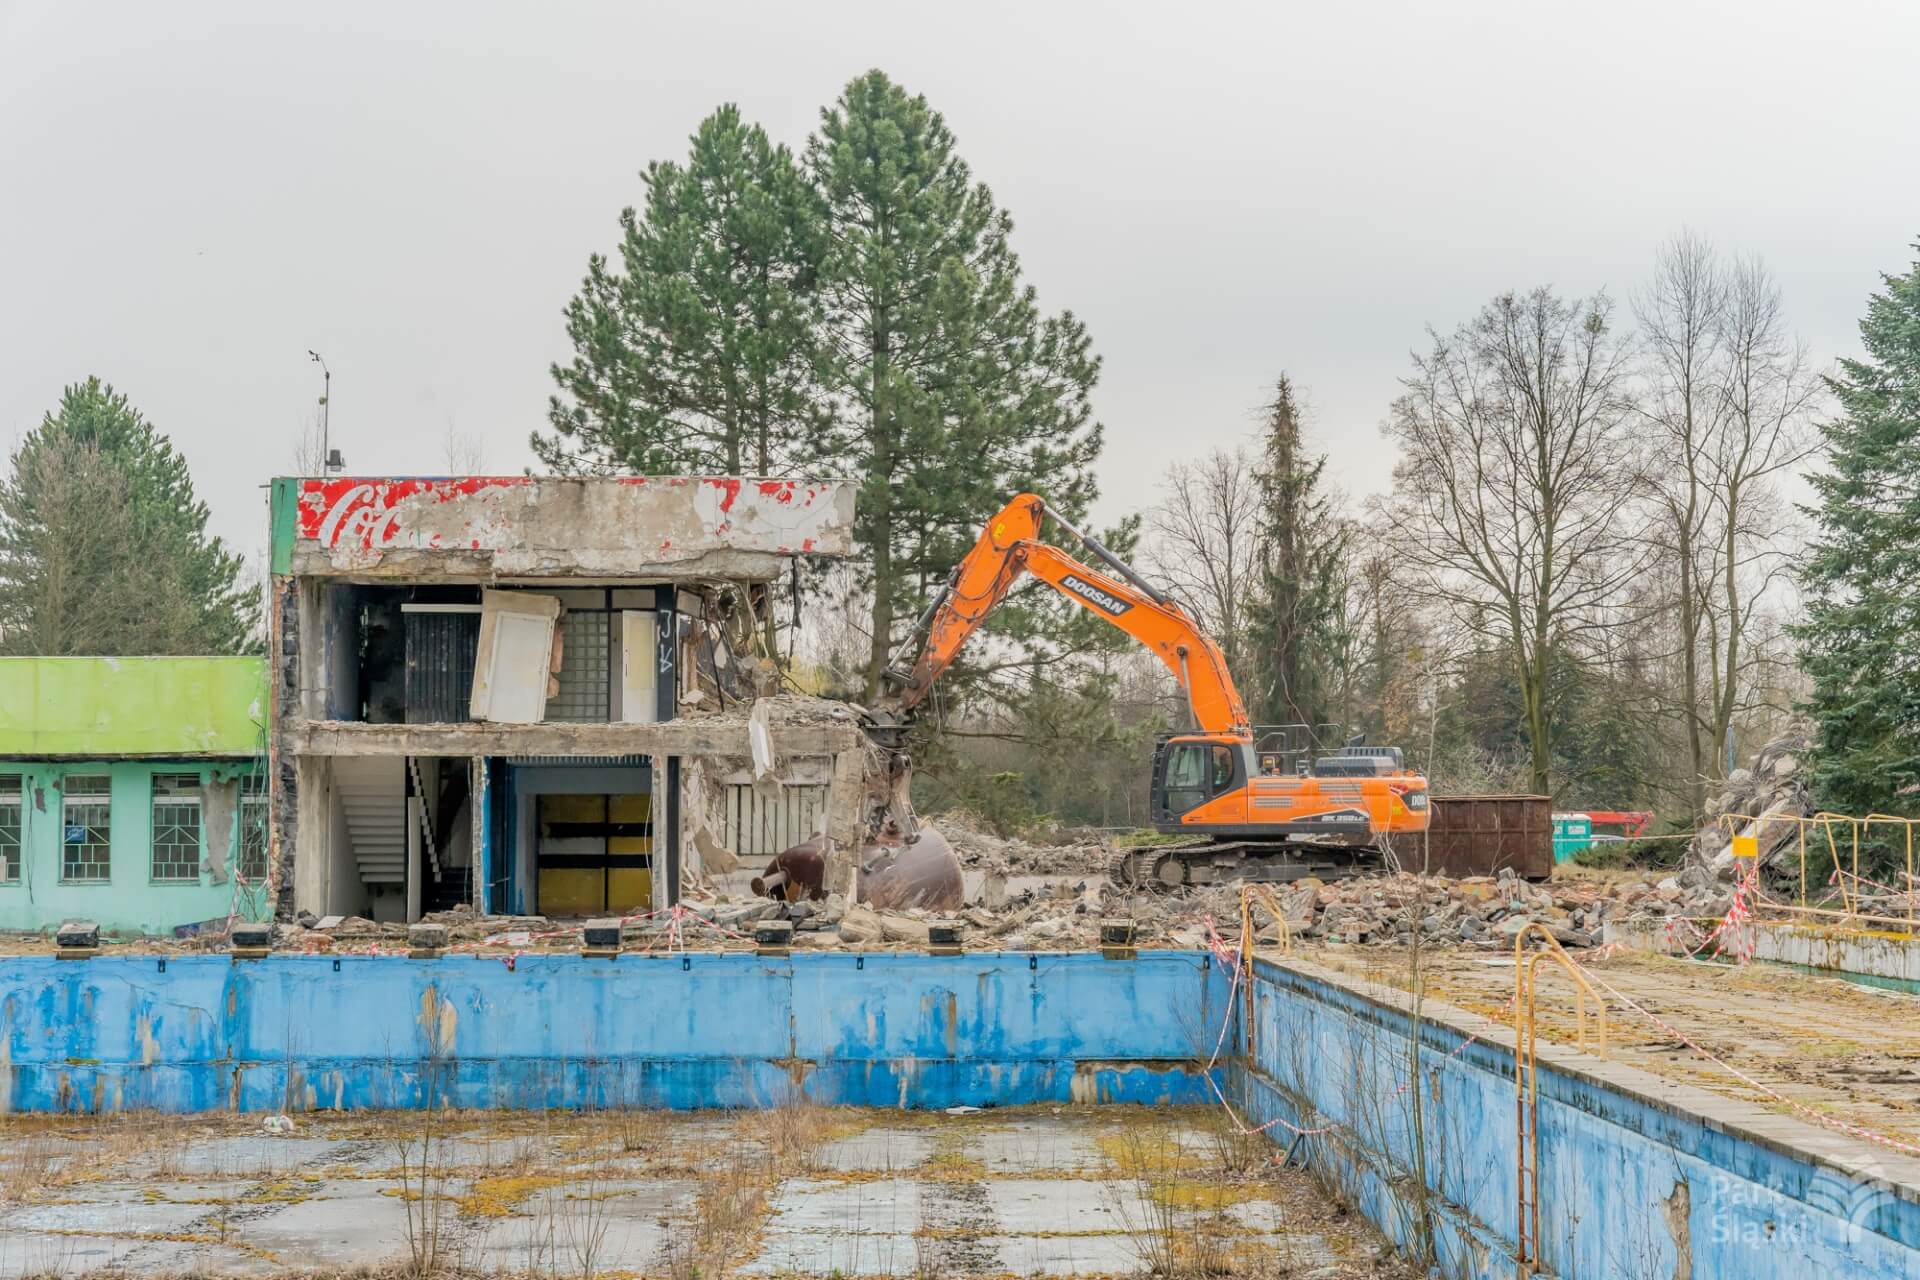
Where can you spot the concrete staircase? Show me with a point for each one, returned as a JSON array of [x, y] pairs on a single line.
[[373, 792]]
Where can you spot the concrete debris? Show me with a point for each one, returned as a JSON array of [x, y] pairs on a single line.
[[1768, 794], [776, 709], [865, 925], [1485, 912], [1072, 852]]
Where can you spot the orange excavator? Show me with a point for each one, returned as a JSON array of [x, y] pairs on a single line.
[[1257, 807]]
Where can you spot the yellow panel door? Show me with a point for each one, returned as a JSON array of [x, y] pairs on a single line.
[[629, 888], [572, 889]]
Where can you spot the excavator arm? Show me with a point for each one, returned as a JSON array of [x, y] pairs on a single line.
[[1010, 546]]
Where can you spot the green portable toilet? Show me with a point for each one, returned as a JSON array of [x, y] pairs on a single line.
[[1572, 832]]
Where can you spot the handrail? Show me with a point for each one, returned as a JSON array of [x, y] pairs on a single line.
[[1248, 892], [1526, 1100], [426, 816]]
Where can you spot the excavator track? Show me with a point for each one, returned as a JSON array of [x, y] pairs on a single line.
[[1166, 867]]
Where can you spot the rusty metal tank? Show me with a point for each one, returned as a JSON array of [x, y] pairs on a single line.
[[796, 874]]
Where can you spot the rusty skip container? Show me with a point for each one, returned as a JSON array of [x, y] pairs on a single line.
[[1479, 835]]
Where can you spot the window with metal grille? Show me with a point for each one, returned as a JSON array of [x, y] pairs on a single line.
[[586, 668], [760, 826], [253, 829], [9, 828], [176, 827], [86, 841]]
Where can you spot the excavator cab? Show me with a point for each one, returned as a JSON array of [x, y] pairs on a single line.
[[1192, 771]]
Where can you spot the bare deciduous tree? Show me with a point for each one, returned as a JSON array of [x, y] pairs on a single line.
[[1682, 314], [1205, 536], [307, 451], [1772, 392], [1728, 396], [1514, 452], [466, 453]]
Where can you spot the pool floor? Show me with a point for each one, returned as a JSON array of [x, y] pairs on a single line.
[[796, 1191]]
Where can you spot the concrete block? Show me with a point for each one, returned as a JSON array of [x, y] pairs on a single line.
[[773, 937], [426, 941], [250, 940], [601, 937], [77, 939]]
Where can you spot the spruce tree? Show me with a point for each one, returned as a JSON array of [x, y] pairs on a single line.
[[695, 354], [1301, 541], [104, 546], [1862, 577], [958, 392]]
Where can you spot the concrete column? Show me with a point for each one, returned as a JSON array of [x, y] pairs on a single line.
[[846, 820], [479, 806], [313, 834], [416, 861]]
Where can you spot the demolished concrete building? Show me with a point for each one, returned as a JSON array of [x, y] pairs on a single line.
[[530, 694]]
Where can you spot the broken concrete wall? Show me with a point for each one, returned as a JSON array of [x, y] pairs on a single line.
[[703, 551], [714, 846], [493, 527]]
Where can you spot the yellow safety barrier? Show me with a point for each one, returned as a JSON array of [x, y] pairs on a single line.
[[1843, 834]]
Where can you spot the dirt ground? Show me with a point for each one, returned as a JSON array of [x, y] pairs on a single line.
[[1836, 1048], [792, 1191]]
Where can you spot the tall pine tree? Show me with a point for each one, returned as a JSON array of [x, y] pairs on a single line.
[[1301, 541], [104, 547], [1863, 575], [696, 354], [958, 391]]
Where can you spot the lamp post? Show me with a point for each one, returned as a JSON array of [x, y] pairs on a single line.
[[326, 411]]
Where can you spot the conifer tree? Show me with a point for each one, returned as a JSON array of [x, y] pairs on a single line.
[[1301, 540], [957, 391], [696, 353], [104, 546], [1862, 577]]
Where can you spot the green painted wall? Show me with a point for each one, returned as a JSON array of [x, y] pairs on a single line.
[[283, 505], [132, 706], [130, 901]]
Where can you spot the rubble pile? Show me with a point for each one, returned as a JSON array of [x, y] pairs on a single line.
[[1770, 793], [775, 708], [464, 925], [1478, 910], [1484, 911], [1069, 852]]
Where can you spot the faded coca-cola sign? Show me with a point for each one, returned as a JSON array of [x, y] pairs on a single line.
[[372, 514], [355, 514]]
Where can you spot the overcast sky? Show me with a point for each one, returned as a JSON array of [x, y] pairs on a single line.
[[193, 194]]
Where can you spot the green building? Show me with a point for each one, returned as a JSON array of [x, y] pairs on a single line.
[[133, 792]]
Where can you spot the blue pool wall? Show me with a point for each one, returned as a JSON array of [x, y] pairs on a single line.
[[1638, 1176], [289, 1033]]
